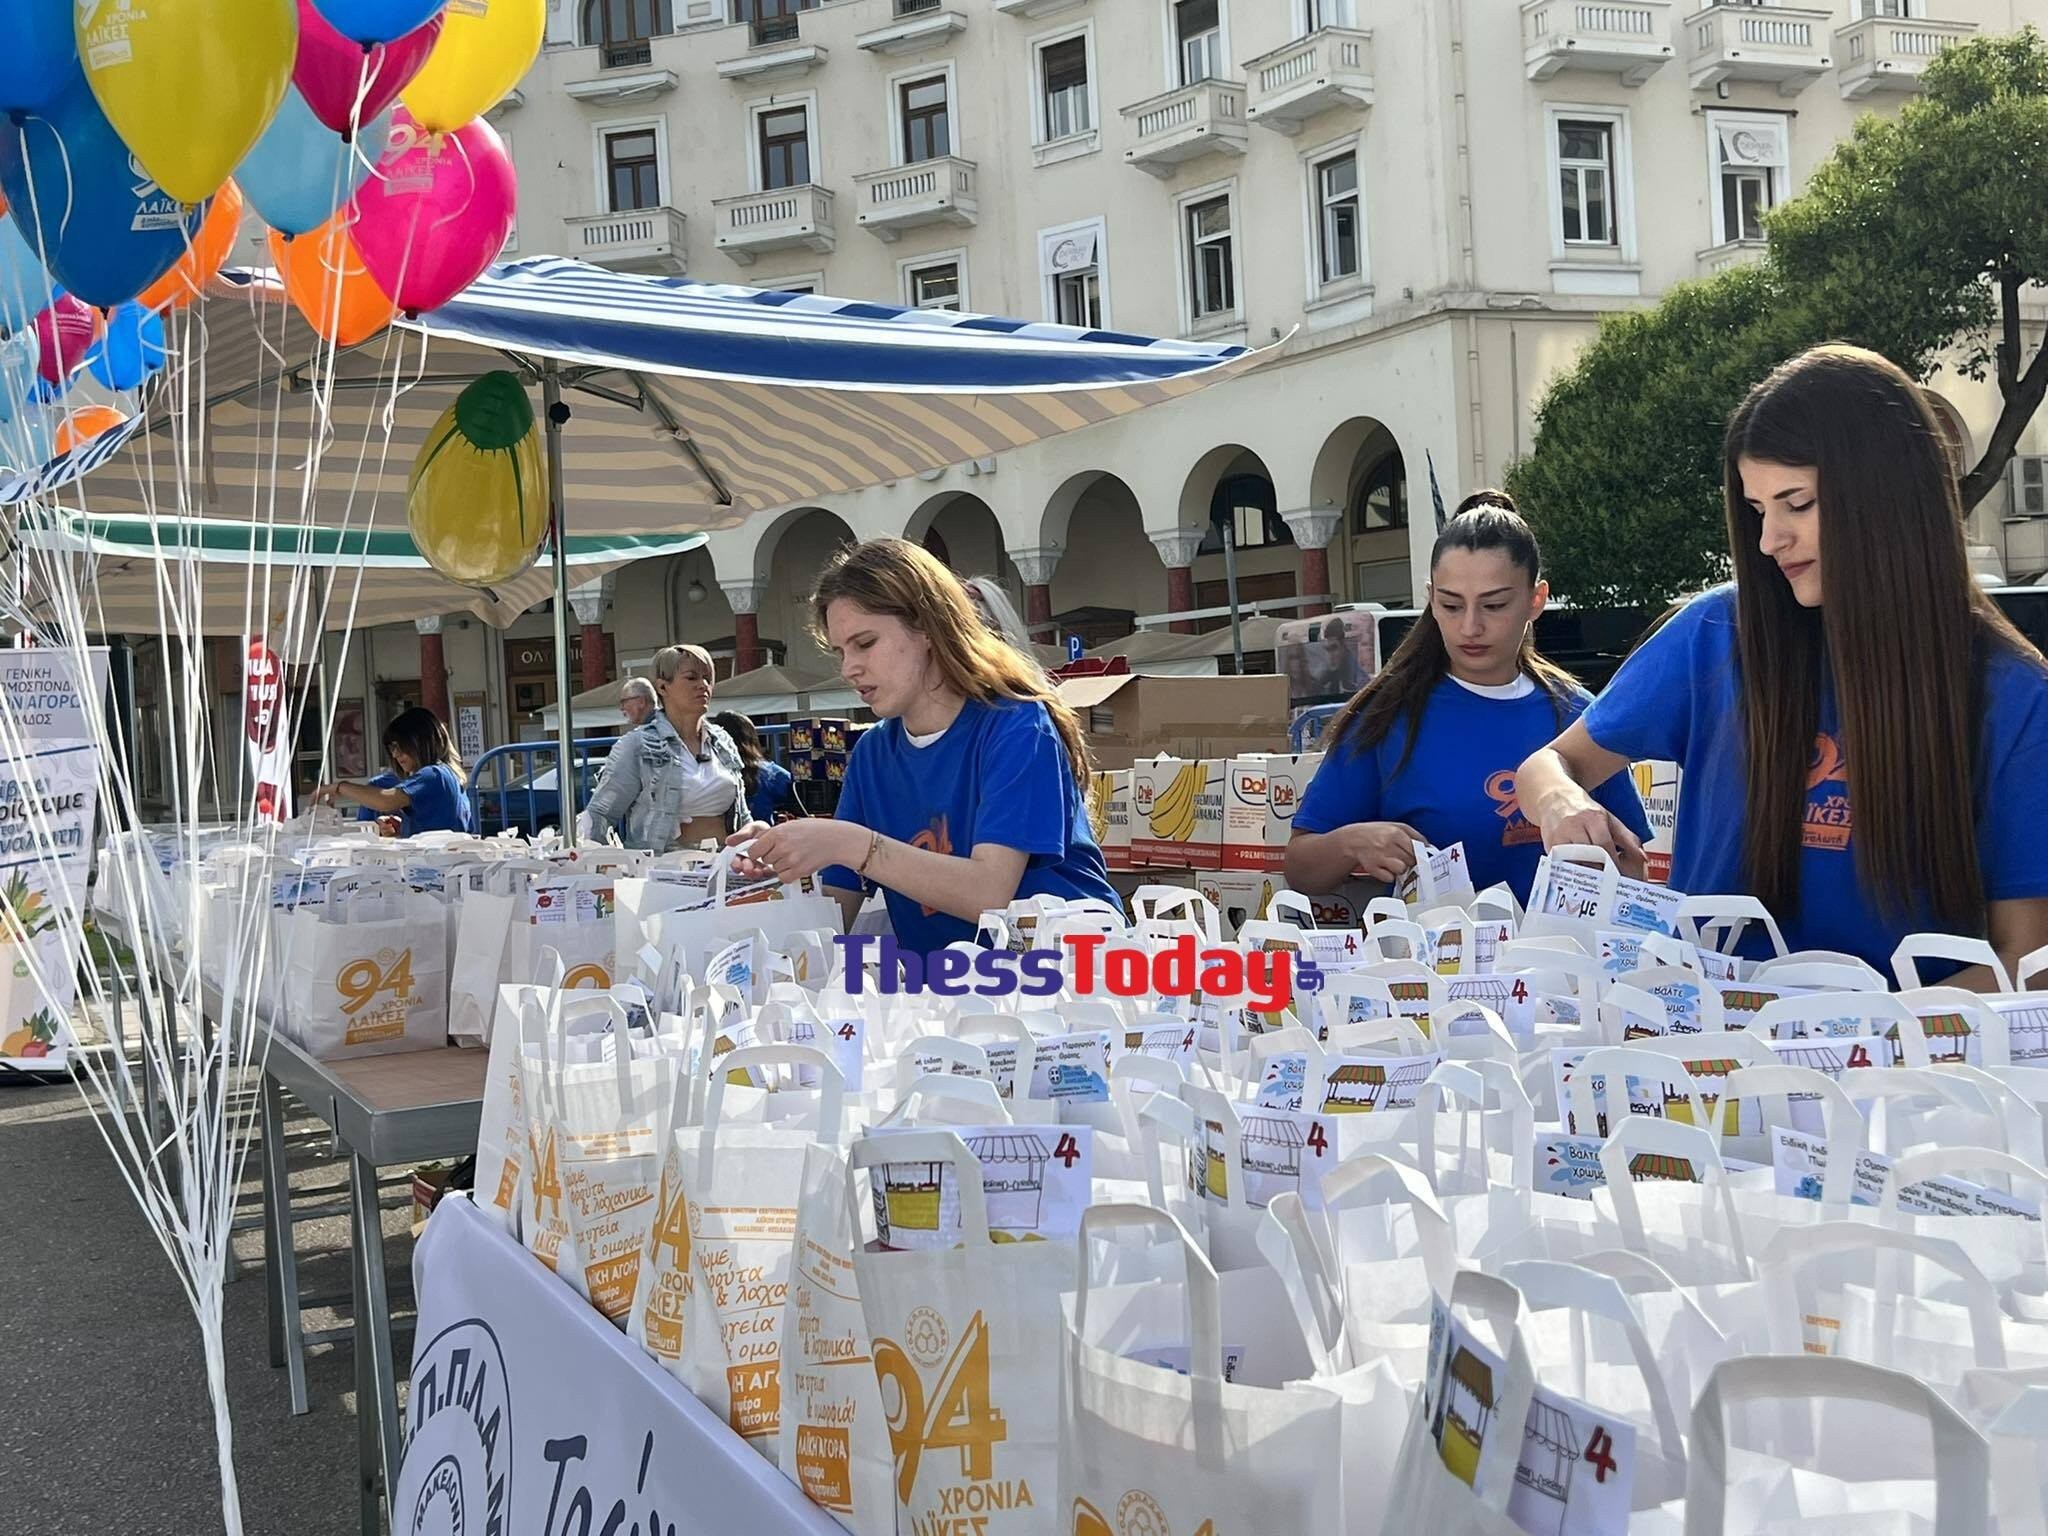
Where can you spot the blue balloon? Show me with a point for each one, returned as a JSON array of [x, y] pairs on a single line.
[[377, 21], [300, 170], [131, 349], [105, 229], [25, 288], [40, 57], [19, 355]]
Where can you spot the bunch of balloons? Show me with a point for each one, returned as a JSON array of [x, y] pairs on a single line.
[[134, 137]]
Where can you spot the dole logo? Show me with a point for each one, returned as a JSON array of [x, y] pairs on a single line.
[[1251, 786], [1143, 792], [1280, 792]]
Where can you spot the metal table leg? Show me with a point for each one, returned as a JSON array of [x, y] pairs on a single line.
[[376, 1381], [280, 1250]]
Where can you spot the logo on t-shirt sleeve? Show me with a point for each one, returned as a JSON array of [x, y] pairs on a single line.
[[936, 839], [1500, 789], [1828, 820]]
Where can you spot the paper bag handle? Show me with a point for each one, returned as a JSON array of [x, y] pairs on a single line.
[[1202, 1310], [2033, 965], [1841, 1128], [1618, 1063], [1650, 1134], [1548, 1285], [1300, 906], [1127, 1073], [1493, 1482], [977, 1091], [926, 1147], [831, 1088], [1725, 918], [1915, 947], [1962, 1459], [1790, 1249]]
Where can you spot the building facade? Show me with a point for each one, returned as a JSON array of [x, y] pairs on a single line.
[[1420, 208]]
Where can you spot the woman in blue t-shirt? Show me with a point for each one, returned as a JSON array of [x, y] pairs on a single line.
[[1426, 752], [971, 790], [1866, 763], [428, 795], [768, 788]]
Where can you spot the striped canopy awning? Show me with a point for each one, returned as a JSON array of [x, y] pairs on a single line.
[[132, 571], [692, 404]]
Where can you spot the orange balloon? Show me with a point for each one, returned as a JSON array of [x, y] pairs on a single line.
[[85, 424], [325, 278], [211, 247]]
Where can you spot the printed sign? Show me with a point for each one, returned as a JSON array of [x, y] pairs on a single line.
[[1036, 1180]]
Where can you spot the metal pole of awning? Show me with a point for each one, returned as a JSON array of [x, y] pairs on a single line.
[[556, 415]]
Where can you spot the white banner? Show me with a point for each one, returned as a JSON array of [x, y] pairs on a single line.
[[530, 1413], [48, 793]]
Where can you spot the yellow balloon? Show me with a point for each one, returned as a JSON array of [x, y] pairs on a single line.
[[190, 85], [486, 48], [477, 502]]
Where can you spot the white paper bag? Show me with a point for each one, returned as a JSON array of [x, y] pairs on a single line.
[[967, 1351], [1145, 1447]]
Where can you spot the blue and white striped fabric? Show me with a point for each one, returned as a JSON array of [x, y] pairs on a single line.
[[746, 400], [591, 316]]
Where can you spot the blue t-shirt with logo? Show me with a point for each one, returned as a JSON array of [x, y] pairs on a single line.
[[1000, 774], [775, 791], [438, 803], [1459, 784], [1679, 697]]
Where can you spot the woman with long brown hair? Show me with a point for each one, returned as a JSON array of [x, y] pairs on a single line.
[[1863, 736], [972, 789], [1426, 751]]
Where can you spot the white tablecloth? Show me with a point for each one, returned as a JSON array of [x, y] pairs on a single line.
[[531, 1414]]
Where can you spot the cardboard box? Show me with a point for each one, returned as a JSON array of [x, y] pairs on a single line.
[[802, 738], [1260, 794], [1657, 785], [1129, 717], [1177, 812], [1109, 816], [1240, 896], [1286, 783]]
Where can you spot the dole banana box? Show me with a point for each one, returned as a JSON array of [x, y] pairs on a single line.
[[1240, 896], [1287, 780], [1177, 812], [1246, 780], [1109, 816]]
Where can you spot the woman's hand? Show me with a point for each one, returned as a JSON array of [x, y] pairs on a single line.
[[796, 849], [1601, 828], [1385, 850], [327, 794]]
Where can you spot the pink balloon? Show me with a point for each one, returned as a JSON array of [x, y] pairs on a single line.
[[66, 331], [330, 67], [436, 212]]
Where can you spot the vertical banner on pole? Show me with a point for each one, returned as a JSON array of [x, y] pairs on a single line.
[[49, 788], [263, 722]]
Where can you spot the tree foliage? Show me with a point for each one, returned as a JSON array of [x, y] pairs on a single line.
[[1624, 486], [1916, 238]]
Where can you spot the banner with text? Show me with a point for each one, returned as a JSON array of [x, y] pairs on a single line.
[[531, 1413], [49, 785]]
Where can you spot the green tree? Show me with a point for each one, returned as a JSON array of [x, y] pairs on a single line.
[[1916, 238], [1624, 485], [1918, 234]]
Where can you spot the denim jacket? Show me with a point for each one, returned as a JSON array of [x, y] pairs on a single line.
[[640, 790]]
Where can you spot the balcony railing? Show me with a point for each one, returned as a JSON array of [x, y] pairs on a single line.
[[939, 191], [783, 218], [1771, 44], [766, 31], [1329, 68], [637, 239], [1201, 119], [1629, 38], [1890, 53], [634, 53]]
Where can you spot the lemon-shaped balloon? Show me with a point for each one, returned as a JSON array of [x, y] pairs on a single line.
[[477, 502], [190, 85], [486, 48]]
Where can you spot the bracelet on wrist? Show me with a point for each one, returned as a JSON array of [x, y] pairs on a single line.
[[874, 842]]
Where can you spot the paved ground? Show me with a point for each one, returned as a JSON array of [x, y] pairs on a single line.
[[103, 1406]]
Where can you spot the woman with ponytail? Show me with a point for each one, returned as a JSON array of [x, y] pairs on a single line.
[[1427, 751], [972, 789], [1863, 737]]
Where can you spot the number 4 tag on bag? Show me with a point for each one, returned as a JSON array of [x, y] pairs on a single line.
[[1577, 1464]]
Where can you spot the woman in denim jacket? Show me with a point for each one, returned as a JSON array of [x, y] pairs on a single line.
[[675, 780]]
